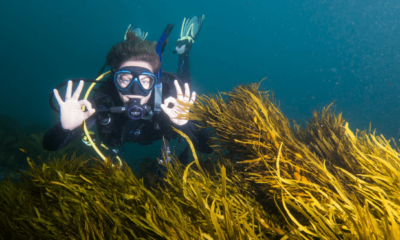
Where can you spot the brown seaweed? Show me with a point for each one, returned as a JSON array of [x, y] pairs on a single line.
[[265, 180]]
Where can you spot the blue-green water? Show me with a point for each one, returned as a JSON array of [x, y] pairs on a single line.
[[313, 52]]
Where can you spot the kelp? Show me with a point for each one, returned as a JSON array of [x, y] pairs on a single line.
[[84, 198], [270, 180], [368, 207], [249, 127], [325, 135], [324, 180]]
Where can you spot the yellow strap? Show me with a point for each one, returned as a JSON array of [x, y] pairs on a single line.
[[190, 39]]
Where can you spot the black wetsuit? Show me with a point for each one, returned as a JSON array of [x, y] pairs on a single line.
[[126, 130]]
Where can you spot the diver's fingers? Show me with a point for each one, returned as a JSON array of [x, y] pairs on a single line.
[[89, 113], [88, 106], [166, 110], [169, 111], [57, 95], [178, 90], [193, 99], [170, 100], [78, 90], [187, 93], [69, 90]]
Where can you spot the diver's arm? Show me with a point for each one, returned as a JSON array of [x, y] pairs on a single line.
[[189, 33], [198, 136], [57, 138]]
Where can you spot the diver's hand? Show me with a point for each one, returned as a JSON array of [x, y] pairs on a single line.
[[72, 115], [178, 108]]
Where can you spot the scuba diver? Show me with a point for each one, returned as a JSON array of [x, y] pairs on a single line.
[[138, 102]]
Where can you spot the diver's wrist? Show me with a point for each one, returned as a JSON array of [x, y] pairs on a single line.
[[60, 129], [66, 130]]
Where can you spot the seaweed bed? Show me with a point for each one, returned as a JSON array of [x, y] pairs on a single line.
[[265, 180]]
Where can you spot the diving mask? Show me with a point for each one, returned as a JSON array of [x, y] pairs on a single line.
[[135, 81]]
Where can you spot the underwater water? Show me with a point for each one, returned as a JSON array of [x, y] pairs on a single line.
[[313, 52]]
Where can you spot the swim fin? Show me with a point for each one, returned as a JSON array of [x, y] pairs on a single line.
[[189, 32], [138, 32]]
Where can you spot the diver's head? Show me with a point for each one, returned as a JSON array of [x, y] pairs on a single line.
[[135, 80], [134, 63]]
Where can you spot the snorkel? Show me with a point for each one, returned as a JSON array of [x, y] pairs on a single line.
[[162, 42]]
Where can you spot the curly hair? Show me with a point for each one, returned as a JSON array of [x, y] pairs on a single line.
[[133, 49]]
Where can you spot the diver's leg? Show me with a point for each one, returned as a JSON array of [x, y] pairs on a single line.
[[183, 72], [189, 32]]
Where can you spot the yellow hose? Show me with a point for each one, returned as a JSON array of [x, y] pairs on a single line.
[[84, 123]]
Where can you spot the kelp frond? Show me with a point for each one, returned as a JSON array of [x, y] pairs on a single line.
[[88, 198], [324, 181]]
